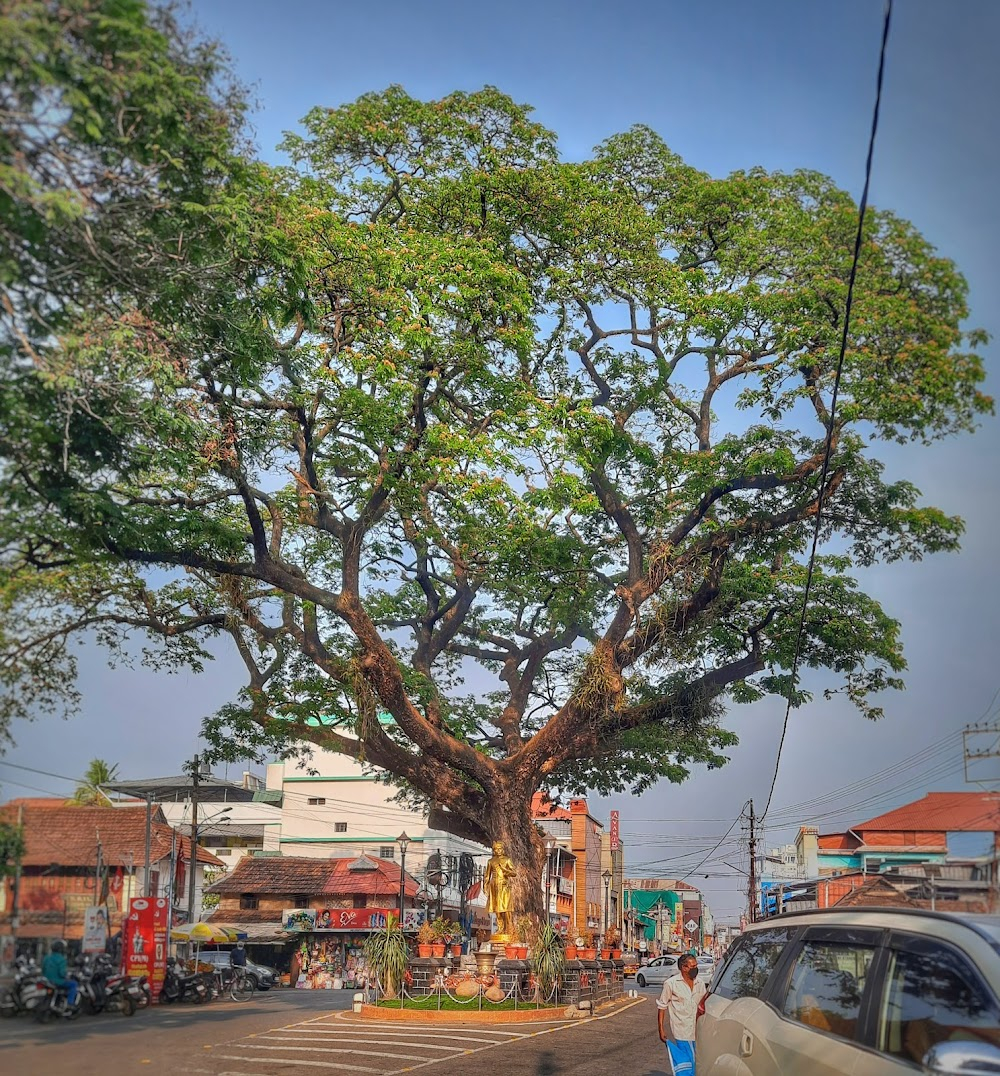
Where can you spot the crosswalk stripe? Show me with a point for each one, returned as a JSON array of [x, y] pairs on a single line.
[[403, 1042], [297, 1061], [482, 1036], [328, 1050]]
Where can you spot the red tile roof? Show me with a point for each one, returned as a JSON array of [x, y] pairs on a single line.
[[942, 812], [543, 807], [68, 836], [288, 875]]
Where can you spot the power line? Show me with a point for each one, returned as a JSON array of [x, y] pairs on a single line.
[[828, 448]]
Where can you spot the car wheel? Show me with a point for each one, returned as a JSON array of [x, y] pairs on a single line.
[[640, 980]]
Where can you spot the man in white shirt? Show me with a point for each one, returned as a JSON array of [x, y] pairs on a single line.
[[677, 1012]]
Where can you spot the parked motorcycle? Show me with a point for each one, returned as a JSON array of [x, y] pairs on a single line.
[[102, 989], [179, 986], [55, 1004], [144, 995], [25, 992]]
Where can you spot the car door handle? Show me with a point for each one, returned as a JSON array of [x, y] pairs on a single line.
[[746, 1044]]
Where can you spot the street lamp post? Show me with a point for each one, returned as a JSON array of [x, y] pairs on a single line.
[[548, 879], [607, 885], [404, 842]]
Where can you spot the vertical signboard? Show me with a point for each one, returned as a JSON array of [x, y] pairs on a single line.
[[145, 940], [95, 930], [614, 831]]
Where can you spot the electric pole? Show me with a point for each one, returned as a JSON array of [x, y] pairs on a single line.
[[752, 879], [194, 836]]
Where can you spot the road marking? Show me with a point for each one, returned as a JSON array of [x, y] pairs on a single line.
[[298, 1061], [404, 1042], [417, 1033], [328, 1050]]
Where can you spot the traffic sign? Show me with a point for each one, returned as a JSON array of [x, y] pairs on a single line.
[[691, 926]]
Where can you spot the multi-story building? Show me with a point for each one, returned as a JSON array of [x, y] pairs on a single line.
[[331, 805]]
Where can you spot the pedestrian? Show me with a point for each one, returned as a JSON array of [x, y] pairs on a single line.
[[238, 956], [54, 969], [677, 1012]]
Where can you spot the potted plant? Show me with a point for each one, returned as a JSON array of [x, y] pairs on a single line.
[[425, 939], [548, 959], [572, 947], [523, 929], [441, 931], [588, 950], [386, 955], [613, 940]]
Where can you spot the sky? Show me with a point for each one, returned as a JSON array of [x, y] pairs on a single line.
[[729, 85]]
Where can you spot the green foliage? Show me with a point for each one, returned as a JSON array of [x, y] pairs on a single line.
[[547, 961], [89, 792], [12, 847], [387, 954], [430, 407]]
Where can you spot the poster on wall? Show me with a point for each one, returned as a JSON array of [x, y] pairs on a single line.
[[318, 920], [303, 919], [145, 940], [95, 930]]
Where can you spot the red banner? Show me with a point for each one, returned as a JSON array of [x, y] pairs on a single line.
[[145, 940], [352, 918], [614, 831]]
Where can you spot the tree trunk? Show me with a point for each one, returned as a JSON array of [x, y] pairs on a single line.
[[508, 819]]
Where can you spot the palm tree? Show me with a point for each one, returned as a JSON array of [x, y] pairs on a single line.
[[88, 792]]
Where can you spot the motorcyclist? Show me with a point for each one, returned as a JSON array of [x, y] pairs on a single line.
[[54, 969]]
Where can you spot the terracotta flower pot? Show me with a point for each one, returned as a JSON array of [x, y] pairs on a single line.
[[570, 951], [588, 954], [437, 949], [424, 950], [605, 954], [456, 949], [616, 954]]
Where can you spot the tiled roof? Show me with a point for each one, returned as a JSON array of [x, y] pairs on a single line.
[[316, 877], [942, 812], [543, 807], [68, 836], [878, 893], [834, 841]]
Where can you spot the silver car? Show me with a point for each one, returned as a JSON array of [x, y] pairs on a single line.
[[859, 992], [657, 971]]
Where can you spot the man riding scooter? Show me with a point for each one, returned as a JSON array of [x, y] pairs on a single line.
[[54, 969]]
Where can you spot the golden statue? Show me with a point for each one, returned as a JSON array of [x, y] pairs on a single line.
[[496, 881]]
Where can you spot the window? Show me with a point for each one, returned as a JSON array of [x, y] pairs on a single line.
[[300, 900], [359, 901], [827, 984], [248, 901], [751, 963], [339, 827], [933, 994], [317, 801], [387, 851]]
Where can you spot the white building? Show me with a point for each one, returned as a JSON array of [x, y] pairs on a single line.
[[331, 805]]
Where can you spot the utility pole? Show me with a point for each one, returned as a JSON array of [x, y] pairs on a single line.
[[149, 826], [15, 910], [195, 774], [752, 880]]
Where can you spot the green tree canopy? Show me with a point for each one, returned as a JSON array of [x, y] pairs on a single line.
[[432, 422], [89, 792]]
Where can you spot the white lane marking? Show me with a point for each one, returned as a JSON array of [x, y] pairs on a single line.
[[416, 1045], [296, 1061], [327, 1050], [336, 1032]]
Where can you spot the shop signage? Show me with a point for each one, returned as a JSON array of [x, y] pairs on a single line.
[[320, 920], [95, 930], [145, 940], [614, 832], [482, 920]]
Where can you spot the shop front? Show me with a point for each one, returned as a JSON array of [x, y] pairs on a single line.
[[328, 943]]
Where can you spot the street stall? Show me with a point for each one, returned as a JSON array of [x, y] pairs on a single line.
[[328, 943]]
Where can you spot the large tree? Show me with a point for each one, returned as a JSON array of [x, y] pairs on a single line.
[[432, 423]]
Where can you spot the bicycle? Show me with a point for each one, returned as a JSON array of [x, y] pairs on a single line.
[[243, 987]]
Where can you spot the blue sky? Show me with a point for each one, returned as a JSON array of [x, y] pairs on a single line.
[[729, 85]]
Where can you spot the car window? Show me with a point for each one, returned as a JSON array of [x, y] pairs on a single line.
[[751, 962], [827, 984], [932, 995]]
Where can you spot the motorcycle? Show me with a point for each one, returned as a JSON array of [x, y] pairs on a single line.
[[102, 989], [178, 986], [26, 991], [55, 1002], [145, 993]]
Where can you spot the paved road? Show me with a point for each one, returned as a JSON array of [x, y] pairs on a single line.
[[293, 1033]]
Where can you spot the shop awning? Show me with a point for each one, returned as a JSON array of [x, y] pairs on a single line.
[[261, 933]]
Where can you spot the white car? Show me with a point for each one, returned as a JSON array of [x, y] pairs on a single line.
[[657, 971]]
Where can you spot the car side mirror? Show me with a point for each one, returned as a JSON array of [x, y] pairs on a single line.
[[962, 1059]]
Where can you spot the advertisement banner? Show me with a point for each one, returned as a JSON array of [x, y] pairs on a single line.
[[321, 920], [145, 940], [95, 930], [615, 839]]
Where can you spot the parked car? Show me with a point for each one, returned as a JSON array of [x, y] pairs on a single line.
[[706, 968], [630, 958], [657, 971], [263, 977], [865, 991]]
